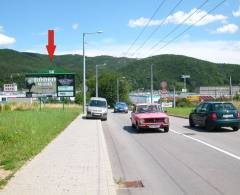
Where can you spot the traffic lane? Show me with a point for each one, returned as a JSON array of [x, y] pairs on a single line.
[[130, 162], [173, 161], [224, 138]]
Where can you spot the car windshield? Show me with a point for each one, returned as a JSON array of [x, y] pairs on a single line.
[[223, 106], [98, 103], [148, 108], [121, 104]]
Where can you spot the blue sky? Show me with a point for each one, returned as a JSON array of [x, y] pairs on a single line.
[[24, 25]]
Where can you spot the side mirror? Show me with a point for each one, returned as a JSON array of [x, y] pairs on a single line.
[[109, 106]]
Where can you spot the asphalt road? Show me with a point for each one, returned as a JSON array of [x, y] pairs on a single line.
[[183, 161]]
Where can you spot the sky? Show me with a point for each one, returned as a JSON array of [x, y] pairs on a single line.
[[185, 27]]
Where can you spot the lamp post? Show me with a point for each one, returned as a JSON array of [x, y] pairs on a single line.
[[118, 88], [97, 77], [84, 69], [151, 83]]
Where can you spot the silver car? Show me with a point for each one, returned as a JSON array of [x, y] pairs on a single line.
[[97, 108]]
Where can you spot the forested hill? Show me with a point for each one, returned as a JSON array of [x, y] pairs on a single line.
[[14, 65]]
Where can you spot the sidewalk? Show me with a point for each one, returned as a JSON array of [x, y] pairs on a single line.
[[76, 162]]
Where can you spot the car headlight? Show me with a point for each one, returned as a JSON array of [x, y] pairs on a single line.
[[141, 121], [166, 120]]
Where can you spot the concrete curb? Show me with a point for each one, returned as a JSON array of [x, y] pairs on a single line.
[[184, 117]]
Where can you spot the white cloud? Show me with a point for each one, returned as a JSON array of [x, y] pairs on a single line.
[[236, 13], [179, 16], [228, 28], [75, 26], [140, 22], [6, 40]]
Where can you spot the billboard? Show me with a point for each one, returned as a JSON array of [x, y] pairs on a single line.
[[51, 84], [41, 84], [66, 85]]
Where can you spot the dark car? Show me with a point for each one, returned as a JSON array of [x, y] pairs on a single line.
[[121, 107], [213, 115]]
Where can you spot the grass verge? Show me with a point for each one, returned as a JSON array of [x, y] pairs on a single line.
[[23, 134]]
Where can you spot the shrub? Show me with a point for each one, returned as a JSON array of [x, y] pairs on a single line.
[[7, 107], [183, 102]]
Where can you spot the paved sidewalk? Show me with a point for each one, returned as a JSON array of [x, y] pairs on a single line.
[[76, 162]]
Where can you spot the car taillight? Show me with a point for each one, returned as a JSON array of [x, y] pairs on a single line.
[[213, 116], [166, 120], [238, 114]]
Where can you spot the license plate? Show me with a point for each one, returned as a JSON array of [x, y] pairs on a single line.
[[227, 116], [96, 114], [153, 126]]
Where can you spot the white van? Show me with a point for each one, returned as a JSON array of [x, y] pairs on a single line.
[[97, 108]]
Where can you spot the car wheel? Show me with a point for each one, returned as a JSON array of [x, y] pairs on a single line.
[[137, 129], [191, 123], [235, 128], [166, 129], [133, 126]]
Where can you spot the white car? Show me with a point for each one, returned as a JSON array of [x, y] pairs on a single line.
[[97, 108]]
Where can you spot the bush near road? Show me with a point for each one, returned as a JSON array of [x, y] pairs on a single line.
[[23, 134]]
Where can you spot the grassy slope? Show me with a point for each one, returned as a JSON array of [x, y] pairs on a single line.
[[23, 134]]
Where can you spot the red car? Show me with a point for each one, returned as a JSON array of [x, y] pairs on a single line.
[[149, 116]]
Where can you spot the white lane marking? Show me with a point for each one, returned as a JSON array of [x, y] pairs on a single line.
[[209, 145]]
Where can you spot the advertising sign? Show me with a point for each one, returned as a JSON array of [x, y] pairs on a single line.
[[41, 84], [45, 84], [66, 85]]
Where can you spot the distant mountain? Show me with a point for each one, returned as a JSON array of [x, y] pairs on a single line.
[[166, 67]]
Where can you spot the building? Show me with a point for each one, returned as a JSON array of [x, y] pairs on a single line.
[[219, 91], [10, 87]]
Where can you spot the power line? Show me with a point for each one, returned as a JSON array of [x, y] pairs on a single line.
[[180, 34], [145, 26], [179, 25], [158, 27]]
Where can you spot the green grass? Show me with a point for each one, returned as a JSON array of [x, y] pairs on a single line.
[[23, 134], [180, 111]]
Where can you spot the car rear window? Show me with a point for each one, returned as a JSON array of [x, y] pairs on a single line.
[[223, 106], [98, 103]]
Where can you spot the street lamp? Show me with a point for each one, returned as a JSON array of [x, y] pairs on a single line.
[[185, 77], [151, 83], [84, 69], [97, 77], [118, 87]]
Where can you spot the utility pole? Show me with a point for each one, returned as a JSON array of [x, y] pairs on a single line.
[[84, 69], [174, 97], [151, 83], [84, 82], [230, 88], [96, 80], [97, 77], [117, 90]]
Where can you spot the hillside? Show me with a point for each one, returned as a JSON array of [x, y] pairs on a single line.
[[166, 67]]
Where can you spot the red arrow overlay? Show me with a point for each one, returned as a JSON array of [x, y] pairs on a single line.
[[51, 47]]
